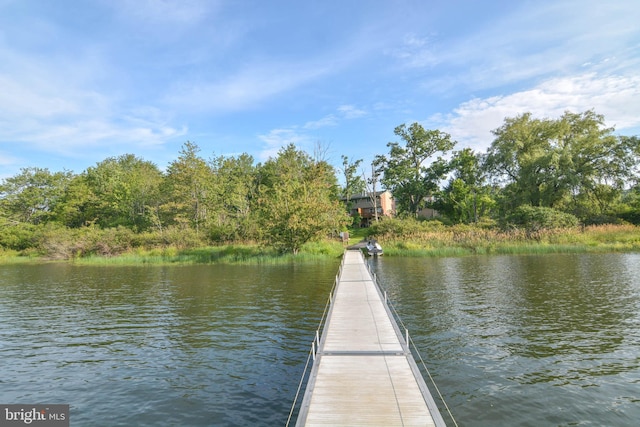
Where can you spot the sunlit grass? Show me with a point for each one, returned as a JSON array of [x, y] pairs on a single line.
[[440, 242], [465, 240], [230, 254]]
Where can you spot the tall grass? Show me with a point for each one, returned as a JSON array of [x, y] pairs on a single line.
[[432, 240], [465, 240], [230, 254]]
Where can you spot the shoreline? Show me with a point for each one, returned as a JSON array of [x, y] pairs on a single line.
[[255, 255]]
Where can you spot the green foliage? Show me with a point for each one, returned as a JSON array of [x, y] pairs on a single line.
[[32, 195], [298, 200], [466, 198], [398, 228], [189, 190], [17, 236], [234, 218], [573, 163], [353, 182], [537, 218], [538, 174], [405, 171], [119, 191]]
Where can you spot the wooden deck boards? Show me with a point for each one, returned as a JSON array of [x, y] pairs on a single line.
[[363, 374]]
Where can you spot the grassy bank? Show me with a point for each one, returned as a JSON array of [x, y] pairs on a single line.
[[439, 241], [459, 241], [230, 254]]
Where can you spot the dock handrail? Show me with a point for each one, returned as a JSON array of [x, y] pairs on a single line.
[[315, 343], [410, 343]]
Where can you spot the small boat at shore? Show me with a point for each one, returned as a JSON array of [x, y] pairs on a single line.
[[374, 248]]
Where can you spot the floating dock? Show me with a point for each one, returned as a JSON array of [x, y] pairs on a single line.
[[363, 372]]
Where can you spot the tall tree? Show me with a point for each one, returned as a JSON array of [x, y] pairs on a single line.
[[125, 191], [465, 198], [574, 163], [32, 195], [235, 217], [188, 189], [353, 182], [78, 204], [405, 169], [298, 200]]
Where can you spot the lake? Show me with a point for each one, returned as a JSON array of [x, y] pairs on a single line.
[[548, 340]]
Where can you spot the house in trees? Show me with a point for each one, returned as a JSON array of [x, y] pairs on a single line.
[[362, 206]]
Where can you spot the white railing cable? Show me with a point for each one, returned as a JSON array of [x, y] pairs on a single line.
[[312, 351], [295, 400], [444, 402], [411, 343]]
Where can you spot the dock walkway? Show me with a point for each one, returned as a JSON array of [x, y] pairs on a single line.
[[364, 373]]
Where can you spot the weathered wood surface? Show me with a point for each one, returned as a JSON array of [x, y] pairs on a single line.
[[363, 374]]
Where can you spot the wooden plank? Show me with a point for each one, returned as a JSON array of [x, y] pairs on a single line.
[[366, 390], [363, 374], [359, 320]]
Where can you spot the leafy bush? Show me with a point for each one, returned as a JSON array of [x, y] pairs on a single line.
[[408, 227], [603, 219], [535, 218], [182, 237], [631, 216], [18, 236]]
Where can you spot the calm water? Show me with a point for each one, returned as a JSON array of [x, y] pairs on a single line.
[[180, 346], [522, 341], [527, 340]]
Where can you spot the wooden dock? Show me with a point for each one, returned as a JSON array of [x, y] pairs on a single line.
[[364, 373]]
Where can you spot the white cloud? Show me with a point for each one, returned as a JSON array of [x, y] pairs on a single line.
[[279, 138], [351, 112], [168, 12], [243, 89], [616, 97], [415, 52], [529, 41], [326, 121]]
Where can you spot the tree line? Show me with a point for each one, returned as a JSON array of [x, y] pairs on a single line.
[[284, 202], [573, 167]]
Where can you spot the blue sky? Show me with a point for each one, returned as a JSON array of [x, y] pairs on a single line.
[[81, 81]]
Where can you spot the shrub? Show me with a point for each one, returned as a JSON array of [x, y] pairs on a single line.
[[632, 216], [182, 237], [408, 227], [535, 218], [603, 219], [17, 236]]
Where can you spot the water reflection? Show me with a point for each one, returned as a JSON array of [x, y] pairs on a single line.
[[521, 341], [204, 345], [535, 340]]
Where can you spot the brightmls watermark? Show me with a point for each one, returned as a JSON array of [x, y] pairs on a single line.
[[34, 415]]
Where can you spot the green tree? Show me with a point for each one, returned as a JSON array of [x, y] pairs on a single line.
[[466, 197], [235, 217], [78, 205], [298, 200], [538, 218], [32, 195], [573, 163], [521, 157], [125, 192], [405, 169], [188, 189], [353, 182]]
